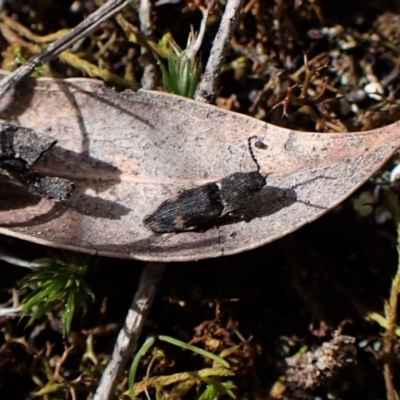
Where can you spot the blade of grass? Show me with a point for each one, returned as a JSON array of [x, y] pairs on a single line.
[[194, 349], [391, 307]]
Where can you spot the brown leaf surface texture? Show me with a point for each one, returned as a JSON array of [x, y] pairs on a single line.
[[126, 152]]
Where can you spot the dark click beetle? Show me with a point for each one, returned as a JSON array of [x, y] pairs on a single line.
[[191, 208]]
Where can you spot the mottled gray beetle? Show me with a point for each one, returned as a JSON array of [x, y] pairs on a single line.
[[191, 208]]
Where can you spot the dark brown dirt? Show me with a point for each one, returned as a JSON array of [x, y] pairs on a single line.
[[274, 301]]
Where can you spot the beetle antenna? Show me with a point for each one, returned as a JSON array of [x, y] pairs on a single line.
[[253, 157]]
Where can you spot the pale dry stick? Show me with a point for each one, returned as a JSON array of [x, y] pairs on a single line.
[[149, 78], [19, 262], [10, 311], [194, 48], [13, 31], [127, 339], [207, 88], [106, 11], [145, 17]]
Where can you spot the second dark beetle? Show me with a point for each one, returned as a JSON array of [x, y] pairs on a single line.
[[191, 208]]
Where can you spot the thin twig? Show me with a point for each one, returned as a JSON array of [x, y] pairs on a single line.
[[207, 88], [194, 48], [149, 77], [19, 262], [145, 17], [106, 11], [10, 311], [127, 339], [16, 30]]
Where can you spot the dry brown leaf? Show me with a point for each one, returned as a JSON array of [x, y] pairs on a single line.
[[126, 152]]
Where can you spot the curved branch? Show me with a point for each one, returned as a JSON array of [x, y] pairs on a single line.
[[128, 336], [106, 11], [207, 88]]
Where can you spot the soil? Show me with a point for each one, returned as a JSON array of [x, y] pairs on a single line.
[[298, 310]]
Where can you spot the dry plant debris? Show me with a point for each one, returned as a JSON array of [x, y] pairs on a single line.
[[269, 303]]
